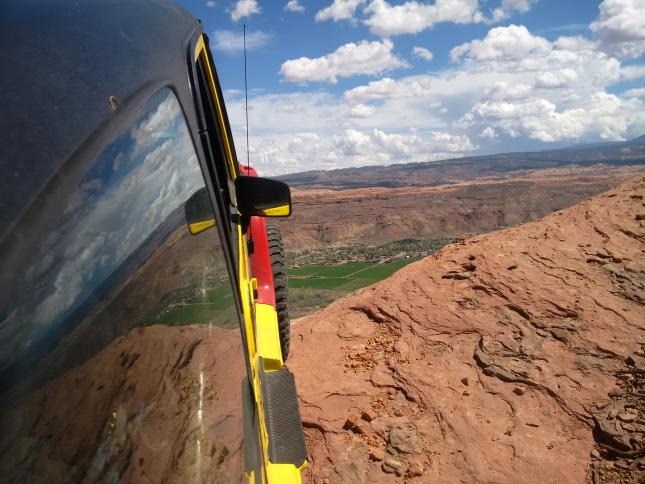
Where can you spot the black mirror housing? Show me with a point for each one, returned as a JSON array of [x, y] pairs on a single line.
[[199, 212], [262, 197]]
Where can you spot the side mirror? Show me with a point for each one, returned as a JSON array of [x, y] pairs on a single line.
[[262, 197], [199, 212]]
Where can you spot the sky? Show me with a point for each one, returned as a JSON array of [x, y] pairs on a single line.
[[344, 83]]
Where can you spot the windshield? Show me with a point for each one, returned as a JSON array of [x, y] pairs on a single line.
[[120, 353]]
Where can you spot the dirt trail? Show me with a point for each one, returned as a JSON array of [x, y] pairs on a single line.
[[515, 356]]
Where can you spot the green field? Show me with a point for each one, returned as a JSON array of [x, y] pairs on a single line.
[[340, 270], [311, 288], [345, 277], [314, 287], [319, 276], [214, 305]]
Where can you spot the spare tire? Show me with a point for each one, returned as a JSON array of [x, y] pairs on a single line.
[[279, 269]]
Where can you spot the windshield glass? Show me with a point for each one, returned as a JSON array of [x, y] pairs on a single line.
[[120, 354]]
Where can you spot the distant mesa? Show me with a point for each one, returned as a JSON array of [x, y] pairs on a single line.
[[436, 173]]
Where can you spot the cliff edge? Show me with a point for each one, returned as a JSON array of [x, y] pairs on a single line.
[[514, 356]]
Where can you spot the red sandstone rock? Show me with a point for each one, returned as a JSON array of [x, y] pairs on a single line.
[[164, 423], [368, 415], [377, 454], [561, 324]]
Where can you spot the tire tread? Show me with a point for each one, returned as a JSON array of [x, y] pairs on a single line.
[[278, 267]]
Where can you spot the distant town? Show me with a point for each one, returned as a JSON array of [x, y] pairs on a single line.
[[382, 253]]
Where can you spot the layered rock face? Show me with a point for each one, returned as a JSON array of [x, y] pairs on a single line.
[[375, 215], [514, 356]]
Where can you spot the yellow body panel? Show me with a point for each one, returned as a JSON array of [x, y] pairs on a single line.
[[267, 336], [197, 227], [281, 211], [246, 294], [260, 320], [283, 473], [200, 51], [250, 477]]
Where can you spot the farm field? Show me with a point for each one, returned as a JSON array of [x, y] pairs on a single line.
[[311, 288], [344, 277], [214, 305], [314, 287]]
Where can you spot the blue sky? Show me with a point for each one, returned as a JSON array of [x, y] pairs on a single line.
[[337, 83]]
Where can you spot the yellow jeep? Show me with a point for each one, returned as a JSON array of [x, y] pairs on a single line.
[[133, 345]]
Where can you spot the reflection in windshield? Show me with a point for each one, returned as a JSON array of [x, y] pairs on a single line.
[[134, 186], [117, 340]]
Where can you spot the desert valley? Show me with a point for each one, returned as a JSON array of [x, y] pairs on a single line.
[[507, 346], [498, 354], [322, 242], [353, 227]]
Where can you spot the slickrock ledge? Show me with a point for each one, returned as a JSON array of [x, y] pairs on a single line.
[[514, 356]]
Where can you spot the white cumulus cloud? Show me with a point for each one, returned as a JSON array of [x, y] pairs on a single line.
[[361, 111], [503, 88], [550, 91], [422, 52], [509, 7], [348, 60], [564, 63], [620, 27], [339, 10], [636, 92], [556, 79], [488, 132], [514, 42], [632, 72], [380, 147], [318, 130], [294, 6], [388, 88], [233, 41], [512, 83], [602, 115], [503, 91], [244, 8], [413, 17]]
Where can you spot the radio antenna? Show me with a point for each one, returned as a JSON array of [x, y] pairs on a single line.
[[246, 112], [246, 103]]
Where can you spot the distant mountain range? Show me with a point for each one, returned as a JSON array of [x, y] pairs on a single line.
[[435, 173]]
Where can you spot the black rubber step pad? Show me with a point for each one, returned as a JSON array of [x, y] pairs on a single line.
[[282, 415]]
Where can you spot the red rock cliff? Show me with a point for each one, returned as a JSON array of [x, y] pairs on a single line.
[[498, 359]]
